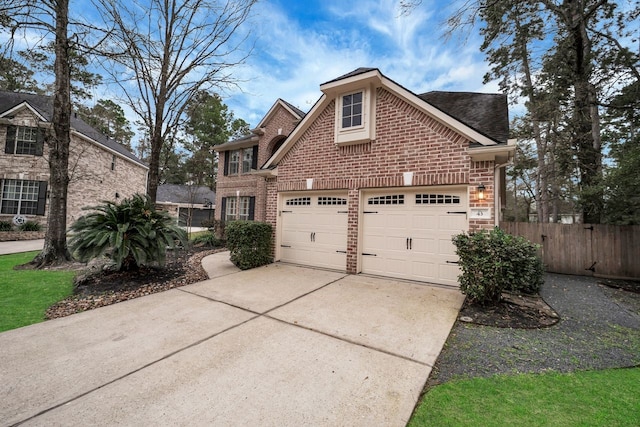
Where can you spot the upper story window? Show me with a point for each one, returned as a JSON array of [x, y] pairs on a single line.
[[355, 116], [22, 197], [24, 140], [113, 162], [352, 110], [241, 161]]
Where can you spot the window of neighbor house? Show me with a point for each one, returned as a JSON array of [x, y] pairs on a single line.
[[113, 162], [24, 140], [352, 110], [23, 197]]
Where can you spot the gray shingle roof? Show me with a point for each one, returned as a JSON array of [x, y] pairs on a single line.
[[175, 193], [44, 106], [298, 111], [487, 113]]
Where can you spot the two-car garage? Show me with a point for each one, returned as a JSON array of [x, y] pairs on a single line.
[[402, 233]]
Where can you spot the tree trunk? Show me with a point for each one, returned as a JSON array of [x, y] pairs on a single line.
[[588, 152], [55, 244]]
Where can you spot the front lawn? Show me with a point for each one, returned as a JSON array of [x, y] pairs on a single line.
[[589, 398], [25, 295]]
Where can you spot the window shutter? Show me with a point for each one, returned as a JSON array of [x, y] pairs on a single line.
[[10, 143], [254, 158], [252, 207], [223, 210], [226, 162], [42, 197], [39, 142]]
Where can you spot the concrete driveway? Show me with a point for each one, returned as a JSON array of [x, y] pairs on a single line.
[[278, 345]]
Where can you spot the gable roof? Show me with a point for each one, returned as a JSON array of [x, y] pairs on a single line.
[[190, 194], [43, 106], [254, 137], [482, 118]]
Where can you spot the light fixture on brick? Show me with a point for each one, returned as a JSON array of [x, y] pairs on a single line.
[[481, 189]]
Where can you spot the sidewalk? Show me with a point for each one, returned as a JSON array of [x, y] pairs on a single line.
[[18, 246]]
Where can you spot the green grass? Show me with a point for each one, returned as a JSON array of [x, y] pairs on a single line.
[[589, 398], [25, 295]]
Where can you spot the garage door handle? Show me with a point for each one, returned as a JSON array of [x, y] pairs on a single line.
[[285, 246], [370, 212], [453, 262], [410, 243], [366, 254], [287, 211], [341, 252], [457, 212], [343, 211]]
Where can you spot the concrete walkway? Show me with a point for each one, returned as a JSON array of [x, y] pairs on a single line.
[[15, 247], [279, 345]]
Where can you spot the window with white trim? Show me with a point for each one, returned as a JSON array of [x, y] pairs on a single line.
[[437, 199], [232, 204], [241, 161], [22, 197], [331, 201], [24, 140], [234, 162], [352, 110], [391, 199], [298, 201]]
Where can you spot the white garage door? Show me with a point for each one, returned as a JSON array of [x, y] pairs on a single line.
[[407, 234], [314, 230]]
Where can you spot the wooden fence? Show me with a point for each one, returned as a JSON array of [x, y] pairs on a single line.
[[585, 249]]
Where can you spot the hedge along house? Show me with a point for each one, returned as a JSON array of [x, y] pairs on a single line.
[[376, 179], [99, 168], [240, 191]]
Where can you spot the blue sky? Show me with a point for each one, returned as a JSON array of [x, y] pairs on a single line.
[[302, 44]]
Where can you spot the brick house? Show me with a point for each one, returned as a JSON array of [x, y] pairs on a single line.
[[240, 191], [377, 179], [99, 168], [190, 205]]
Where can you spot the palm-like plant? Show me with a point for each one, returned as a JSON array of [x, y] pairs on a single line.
[[131, 233]]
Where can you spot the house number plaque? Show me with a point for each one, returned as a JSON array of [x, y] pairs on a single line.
[[480, 213]]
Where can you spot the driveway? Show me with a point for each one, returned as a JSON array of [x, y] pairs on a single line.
[[278, 345]]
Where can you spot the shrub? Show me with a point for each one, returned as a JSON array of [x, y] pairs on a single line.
[[493, 262], [249, 243], [31, 226], [131, 233], [5, 226], [208, 239]]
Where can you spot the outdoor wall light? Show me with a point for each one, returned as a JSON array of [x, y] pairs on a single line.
[[481, 189]]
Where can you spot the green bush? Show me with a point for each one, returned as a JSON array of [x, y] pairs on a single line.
[[493, 262], [31, 226], [208, 239], [5, 226], [131, 233], [249, 243]]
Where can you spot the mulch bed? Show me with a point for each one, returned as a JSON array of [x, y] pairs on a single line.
[[626, 285], [510, 314], [96, 287]]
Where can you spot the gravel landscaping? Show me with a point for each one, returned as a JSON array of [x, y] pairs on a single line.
[[599, 328]]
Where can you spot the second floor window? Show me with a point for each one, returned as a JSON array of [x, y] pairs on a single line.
[[241, 161], [352, 110], [24, 140]]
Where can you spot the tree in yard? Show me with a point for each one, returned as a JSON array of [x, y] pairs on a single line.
[[17, 77], [51, 17], [163, 53], [566, 59], [209, 123], [108, 118]]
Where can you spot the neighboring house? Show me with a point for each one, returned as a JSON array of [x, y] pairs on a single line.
[[377, 179], [241, 193], [99, 168], [192, 205]]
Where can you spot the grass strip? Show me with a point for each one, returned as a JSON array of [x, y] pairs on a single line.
[[25, 295], [587, 398]]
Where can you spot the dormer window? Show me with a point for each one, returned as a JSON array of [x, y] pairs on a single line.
[[355, 116], [352, 110]]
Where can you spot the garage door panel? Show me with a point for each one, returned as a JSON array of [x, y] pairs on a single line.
[[315, 232], [429, 218]]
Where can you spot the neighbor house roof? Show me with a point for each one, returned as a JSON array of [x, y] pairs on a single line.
[[43, 106], [189, 194]]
